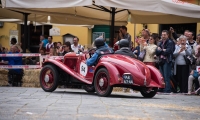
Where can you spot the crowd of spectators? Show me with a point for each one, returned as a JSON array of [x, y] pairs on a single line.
[[170, 54]]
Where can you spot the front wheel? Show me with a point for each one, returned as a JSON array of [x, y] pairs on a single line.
[[49, 78], [148, 93], [102, 83]]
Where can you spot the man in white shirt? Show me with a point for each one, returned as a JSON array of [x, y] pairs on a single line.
[[77, 48], [190, 39]]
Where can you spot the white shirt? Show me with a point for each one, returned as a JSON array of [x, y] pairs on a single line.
[[192, 46], [75, 48], [179, 57]]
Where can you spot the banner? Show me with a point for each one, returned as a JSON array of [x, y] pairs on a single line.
[[20, 66], [54, 31], [20, 55], [42, 58]]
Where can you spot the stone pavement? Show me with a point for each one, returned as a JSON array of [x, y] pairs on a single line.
[[18, 103]]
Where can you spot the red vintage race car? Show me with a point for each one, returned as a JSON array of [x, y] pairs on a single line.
[[111, 70]]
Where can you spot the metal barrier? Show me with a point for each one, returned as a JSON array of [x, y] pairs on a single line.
[[41, 57]]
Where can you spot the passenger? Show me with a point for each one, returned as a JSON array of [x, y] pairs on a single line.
[[101, 50], [124, 48]]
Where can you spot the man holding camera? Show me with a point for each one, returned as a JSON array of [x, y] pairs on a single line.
[[123, 34]]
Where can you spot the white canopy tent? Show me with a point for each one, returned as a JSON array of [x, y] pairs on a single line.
[[156, 11], [90, 12]]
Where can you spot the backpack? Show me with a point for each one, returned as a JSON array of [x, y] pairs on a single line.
[[195, 74]]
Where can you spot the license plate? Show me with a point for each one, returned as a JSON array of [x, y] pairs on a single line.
[[127, 79]]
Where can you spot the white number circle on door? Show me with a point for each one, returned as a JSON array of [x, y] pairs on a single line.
[[83, 69]]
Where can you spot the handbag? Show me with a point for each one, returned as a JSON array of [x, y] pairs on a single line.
[[142, 55], [187, 61], [161, 61]]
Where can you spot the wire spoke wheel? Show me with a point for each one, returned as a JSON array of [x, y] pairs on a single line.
[[102, 83], [49, 78]]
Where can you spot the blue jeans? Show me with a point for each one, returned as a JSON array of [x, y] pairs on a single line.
[[165, 70]]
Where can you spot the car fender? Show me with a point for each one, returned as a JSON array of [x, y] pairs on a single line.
[[66, 69], [112, 70], [156, 78]]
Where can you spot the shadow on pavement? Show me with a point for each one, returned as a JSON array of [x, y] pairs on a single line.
[[120, 95]]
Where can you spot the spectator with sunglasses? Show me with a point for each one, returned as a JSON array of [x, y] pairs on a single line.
[[67, 47]]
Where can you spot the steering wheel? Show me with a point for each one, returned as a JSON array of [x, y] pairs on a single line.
[[91, 51]]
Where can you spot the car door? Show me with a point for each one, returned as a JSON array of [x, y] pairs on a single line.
[[83, 70]]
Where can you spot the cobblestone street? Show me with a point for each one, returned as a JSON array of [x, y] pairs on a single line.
[[72, 104]]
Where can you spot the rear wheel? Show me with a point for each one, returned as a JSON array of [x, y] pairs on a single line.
[[49, 78], [148, 93], [89, 88], [102, 83]]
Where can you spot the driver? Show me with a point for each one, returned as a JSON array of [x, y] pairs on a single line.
[[101, 49], [124, 48]]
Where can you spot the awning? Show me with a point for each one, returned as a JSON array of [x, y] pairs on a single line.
[[156, 11]]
